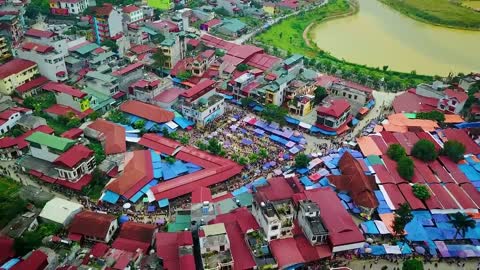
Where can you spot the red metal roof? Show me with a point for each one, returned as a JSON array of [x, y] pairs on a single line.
[[461, 197], [58, 109], [460, 95], [167, 244], [413, 201], [63, 88], [441, 172], [381, 144], [165, 24], [40, 48], [15, 66], [37, 260], [169, 95], [140, 232], [39, 33], [277, 189], [5, 115], [73, 156], [72, 133], [147, 111], [128, 69], [394, 194], [140, 49], [335, 108], [472, 192], [411, 102], [392, 169], [443, 196], [263, 61], [159, 143], [212, 22], [112, 136], [201, 194], [104, 10], [6, 248], [91, 224], [425, 171], [99, 249], [82, 182], [427, 136], [35, 83], [130, 9], [130, 245], [20, 140], [461, 136], [198, 88]]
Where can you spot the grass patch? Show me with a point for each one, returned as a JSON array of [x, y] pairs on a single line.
[[10, 202], [287, 36], [440, 12]]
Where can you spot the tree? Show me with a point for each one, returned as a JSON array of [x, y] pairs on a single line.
[[222, 12], [184, 75], [110, 44], [170, 160], [202, 146], [454, 150], [462, 223], [405, 168], [40, 102], [253, 158], [420, 191], [242, 67], [412, 264], [301, 160], [432, 115], [98, 149], [73, 122], [424, 150], [263, 153], [37, 7], [33, 239], [117, 116], [274, 113], [219, 52], [320, 94], [94, 116], [139, 124], [243, 161], [159, 59], [185, 139], [246, 101], [214, 146], [396, 152], [403, 216]]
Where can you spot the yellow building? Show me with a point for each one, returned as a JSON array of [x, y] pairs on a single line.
[[270, 8], [301, 105], [15, 73], [4, 49]]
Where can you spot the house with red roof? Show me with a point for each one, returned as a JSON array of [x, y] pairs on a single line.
[[168, 97], [68, 7], [36, 260], [69, 96], [333, 115], [14, 147], [9, 118], [6, 249], [147, 111], [47, 38], [32, 87], [453, 100], [215, 246], [207, 26], [111, 135], [128, 75], [15, 73], [135, 236], [92, 226], [349, 90], [107, 23], [175, 249], [145, 90]]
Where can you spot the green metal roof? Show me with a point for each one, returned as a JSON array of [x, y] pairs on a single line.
[[102, 57], [374, 160], [104, 68], [87, 48], [100, 76], [285, 79], [149, 31], [58, 143], [169, 42], [72, 60], [245, 199], [102, 100], [233, 25], [181, 223], [292, 59]]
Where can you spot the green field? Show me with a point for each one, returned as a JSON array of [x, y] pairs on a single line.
[[440, 12], [10, 203], [471, 4], [286, 37]]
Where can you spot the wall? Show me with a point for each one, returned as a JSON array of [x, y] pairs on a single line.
[[43, 153]]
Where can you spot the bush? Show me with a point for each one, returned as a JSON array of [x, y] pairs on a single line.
[[424, 150], [420, 191], [396, 152], [454, 150], [412, 264], [433, 115], [301, 160], [405, 168]]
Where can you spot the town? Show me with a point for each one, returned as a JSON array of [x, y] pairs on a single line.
[[175, 135]]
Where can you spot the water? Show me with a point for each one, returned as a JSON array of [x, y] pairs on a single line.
[[378, 35]]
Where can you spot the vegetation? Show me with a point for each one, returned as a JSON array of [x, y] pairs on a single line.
[[184, 75], [263, 153], [403, 216], [70, 120], [37, 7], [454, 150], [242, 67], [462, 223], [33, 240], [139, 124], [222, 12], [274, 113], [421, 191], [320, 94], [405, 168], [412, 264], [97, 147], [117, 116], [396, 152], [287, 36], [246, 101], [170, 160], [301, 160], [110, 44], [159, 59], [10, 203], [439, 12], [214, 146], [40, 102], [432, 115], [424, 150], [185, 139], [94, 189]]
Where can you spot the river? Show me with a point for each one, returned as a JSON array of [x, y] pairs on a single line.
[[378, 35]]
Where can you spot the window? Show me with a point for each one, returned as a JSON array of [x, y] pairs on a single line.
[[349, 96], [355, 97], [314, 239], [273, 237], [454, 102], [222, 248], [274, 227], [344, 94]]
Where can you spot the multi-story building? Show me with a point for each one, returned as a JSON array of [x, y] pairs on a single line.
[[69, 96], [174, 48], [128, 75], [202, 62], [68, 7], [309, 220], [215, 247], [4, 49], [333, 115], [107, 23], [9, 118], [93, 226], [133, 13], [146, 90], [15, 73], [201, 103], [103, 83], [70, 162], [240, 86], [51, 63], [47, 38], [11, 27], [276, 91], [351, 91], [275, 218], [293, 64], [453, 100]]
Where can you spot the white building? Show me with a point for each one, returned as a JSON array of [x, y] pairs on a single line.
[[103, 83], [9, 118], [47, 38], [275, 218], [68, 7], [133, 13], [69, 96], [146, 90], [215, 247], [51, 63], [60, 211], [308, 218]]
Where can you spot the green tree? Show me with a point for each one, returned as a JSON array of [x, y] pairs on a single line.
[[165, 132], [396, 151], [139, 124], [110, 44], [253, 158], [159, 59], [242, 67], [33, 240], [184, 75], [243, 161], [424, 150], [462, 223], [405, 168], [185, 139], [219, 52], [94, 116], [202, 146], [37, 7], [320, 94], [412, 264], [97, 147], [214, 146], [40, 102], [73, 122], [454, 150], [246, 101], [222, 12], [301, 161], [432, 115], [116, 116], [274, 113], [403, 216], [420, 191], [170, 160], [263, 153]]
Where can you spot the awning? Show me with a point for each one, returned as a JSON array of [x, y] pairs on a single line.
[[171, 125], [305, 125], [292, 120], [163, 203], [110, 197]]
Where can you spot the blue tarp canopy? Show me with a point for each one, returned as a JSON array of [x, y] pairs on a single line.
[[247, 141], [110, 197], [183, 122], [258, 108], [9, 264], [468, 125], [260, 182], [239, 191], [259, 131], [369, 227], [123, 219], [355, 121], [315, 129], [305, 181], [370, 104], [227, 97], [302, 170], [136, 197], [163, 203], [292, 120]]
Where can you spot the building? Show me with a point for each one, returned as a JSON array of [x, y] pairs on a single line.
[[160, 4], [92, 226], [70, 162], [133, 13], [20, 224], [168, 98], [68, 96], [134, 236], [31, 122], [146, 90], [309, 220], [175, 249], [293, 64], [453, 100], [301, 105], [469, 81], [232, 27], [6, 248], [174, 48], [147, 111], [215, 247], [9, 118], [103, 83], [333, 115], [51, 63], [68, 7], [32, 87], [15, 73], [107, 23], [128, 75], [13, 148], [60, 211], [275, 92], [4, 49], [201, 103], [11, 27], [111, 135], [36, 260], [47, 38], [351, 91]]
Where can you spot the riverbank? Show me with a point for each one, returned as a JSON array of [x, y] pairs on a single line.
[[439, 12], [287, 37]]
